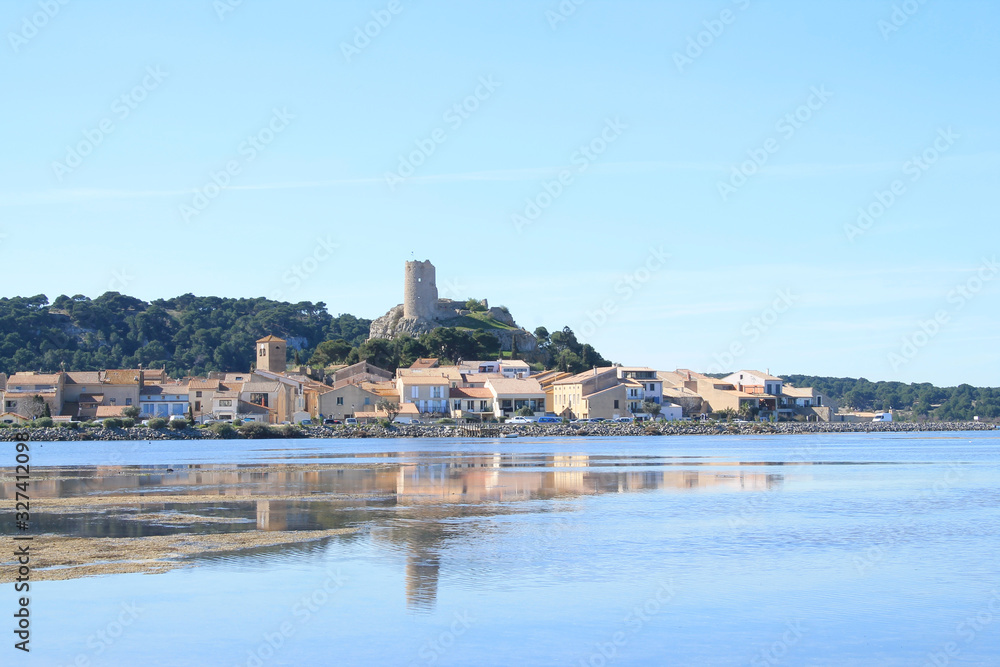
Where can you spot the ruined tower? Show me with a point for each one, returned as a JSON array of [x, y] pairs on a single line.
[[420, 294]]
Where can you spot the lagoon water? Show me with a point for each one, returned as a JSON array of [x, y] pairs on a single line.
[[833, 549]]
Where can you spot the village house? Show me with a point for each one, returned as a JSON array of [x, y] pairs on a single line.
[[511, 395], [430, 393]]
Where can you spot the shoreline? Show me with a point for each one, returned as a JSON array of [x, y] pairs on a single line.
[[603, 429]]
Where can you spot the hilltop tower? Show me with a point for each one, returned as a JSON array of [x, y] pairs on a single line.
[[271, 354], [420, 294]]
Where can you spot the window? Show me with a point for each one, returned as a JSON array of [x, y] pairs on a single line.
[[114, 401], [368, 401], [471, 406], [128, 401], [616, 404], [197, 406], [259, 399], [197, 394], [226, 403], [340, 400], [414, 391]]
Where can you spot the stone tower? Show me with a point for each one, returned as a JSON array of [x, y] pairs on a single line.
[[420, 294], [271, 354]]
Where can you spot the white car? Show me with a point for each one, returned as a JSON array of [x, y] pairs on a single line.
[[521, 420]]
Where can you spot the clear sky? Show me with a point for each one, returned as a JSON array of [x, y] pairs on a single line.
[[678, 182]]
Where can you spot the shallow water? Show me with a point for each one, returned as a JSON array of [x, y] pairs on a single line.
[[828, 549]]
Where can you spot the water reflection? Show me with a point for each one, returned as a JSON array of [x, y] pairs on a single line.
[[414, 502]]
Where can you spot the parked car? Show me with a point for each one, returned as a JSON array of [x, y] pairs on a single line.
[[549, 420], [740, 421], [331, 422], [306, 422], [350, 420], [625, 420], [521, 420]]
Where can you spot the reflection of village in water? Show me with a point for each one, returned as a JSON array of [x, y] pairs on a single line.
[[412, 501]]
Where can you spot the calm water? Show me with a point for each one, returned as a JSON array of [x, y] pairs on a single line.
[[818, 550]]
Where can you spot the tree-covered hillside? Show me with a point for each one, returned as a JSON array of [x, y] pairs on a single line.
[[925, 400], [188, 334]]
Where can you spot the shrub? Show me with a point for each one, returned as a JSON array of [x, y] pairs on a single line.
[[385, 423], [2, 425], [89, 424], [255, 431], [446, 420], [112, 422], [178, 424], [131, 412], [237, 422], [128, 422], [69, 424], [223, 430], [44, 422], [157, 422], [290, 431]]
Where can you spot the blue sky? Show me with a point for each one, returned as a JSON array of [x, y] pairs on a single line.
[[697, 168]]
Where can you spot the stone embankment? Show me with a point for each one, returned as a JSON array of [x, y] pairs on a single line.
[[601, 429]]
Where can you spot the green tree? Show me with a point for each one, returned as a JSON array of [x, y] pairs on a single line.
[[651, 408], [390, 408]]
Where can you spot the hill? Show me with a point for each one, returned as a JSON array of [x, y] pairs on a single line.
[[188, 335]]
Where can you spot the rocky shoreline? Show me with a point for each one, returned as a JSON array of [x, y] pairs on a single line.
[[609, 429]]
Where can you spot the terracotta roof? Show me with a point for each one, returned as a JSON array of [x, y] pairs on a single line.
[[271, 339], [83, 377], [122, 376], [261, 386], [424, 363], [586, 375], [204, 384], [797, 392], [109, 411], [243, 407], [91, 398], [471, 392], [515, 387], [34, 378]]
